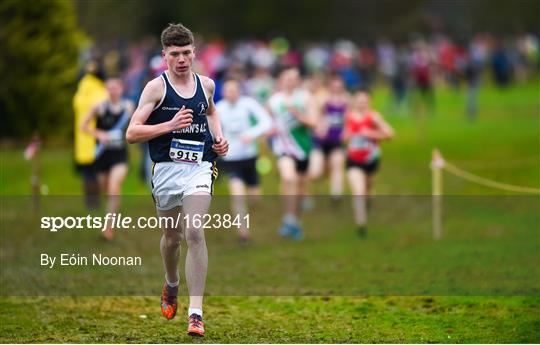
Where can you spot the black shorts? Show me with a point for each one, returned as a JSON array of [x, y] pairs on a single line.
[[110, 158], [301, 165], [369, 168], [87, 171], [245, 170], [329, 147]]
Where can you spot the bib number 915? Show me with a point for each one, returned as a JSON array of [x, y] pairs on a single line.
[[188, 155], [186, 151]]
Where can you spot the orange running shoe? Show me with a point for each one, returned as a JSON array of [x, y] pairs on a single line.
[[195, 326], [169, 301]]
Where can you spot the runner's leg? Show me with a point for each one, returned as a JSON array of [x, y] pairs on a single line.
[[316, 164], [357, 182], [113, 182], [170, 245], [237, 189], [196, 205], [289, 185], [337, 166], [170, 253]]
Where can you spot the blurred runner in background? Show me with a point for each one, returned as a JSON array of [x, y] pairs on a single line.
[[111, 157], [90, 91], [328, 151], [243, 120], [294, 114], [364, 128]]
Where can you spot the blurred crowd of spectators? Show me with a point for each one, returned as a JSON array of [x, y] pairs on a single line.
[[414, 67], [420, 63]]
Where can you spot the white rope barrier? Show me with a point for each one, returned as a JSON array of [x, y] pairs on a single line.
[[452, 169], [438, 164]]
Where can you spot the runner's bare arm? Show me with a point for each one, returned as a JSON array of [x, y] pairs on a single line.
[[321, 123], [346, 136], [383, 131], [89, 116], [274, 129], [313, 113], [310, 116], [138, 131], [101, 136], [221, 146]]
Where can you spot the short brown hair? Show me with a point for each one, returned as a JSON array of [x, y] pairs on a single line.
[[176, 35]]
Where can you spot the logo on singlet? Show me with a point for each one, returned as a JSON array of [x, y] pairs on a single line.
[[202, 108]]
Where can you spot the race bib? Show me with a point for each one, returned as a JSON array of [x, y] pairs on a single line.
[[186, 151], [116, 139], [360, 143], [335, 120]]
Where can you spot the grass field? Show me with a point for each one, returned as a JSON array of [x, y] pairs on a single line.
[[269, 320], [480, 283]]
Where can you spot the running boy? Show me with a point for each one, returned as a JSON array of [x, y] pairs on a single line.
[[364, 128], [112, 117], [294, 115], [176, 115]]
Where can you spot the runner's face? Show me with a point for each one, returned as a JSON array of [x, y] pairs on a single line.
[[179, 59], [336, 85], [290, 79], [115, 89], [231, 91], [362, 101]]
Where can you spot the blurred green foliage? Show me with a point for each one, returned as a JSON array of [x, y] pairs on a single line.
[[39, 39], [363, 21], [39, 47]]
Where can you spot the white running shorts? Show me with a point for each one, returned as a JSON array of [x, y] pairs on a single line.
[[172, 182]]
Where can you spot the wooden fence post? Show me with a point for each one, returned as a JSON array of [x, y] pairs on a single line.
[[437, 164]]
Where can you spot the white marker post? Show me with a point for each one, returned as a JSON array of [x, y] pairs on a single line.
[[437, 164], [31, 153]]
